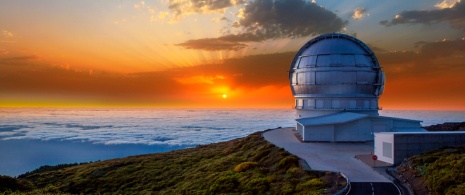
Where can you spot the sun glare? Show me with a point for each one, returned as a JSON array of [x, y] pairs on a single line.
[[224, 96]]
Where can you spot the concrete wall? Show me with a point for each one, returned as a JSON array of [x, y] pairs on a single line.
[[358, 130], [300, 129], [408, 144], [405, 124], [381, 142], [319, 133]]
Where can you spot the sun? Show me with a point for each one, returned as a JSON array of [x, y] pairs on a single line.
[[224, 96]]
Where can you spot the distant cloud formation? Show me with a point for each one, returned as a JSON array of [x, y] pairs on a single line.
[[7, 34], [184, 7], [359, 13], [214, 44], [168, 86], [430, 58], [262, 20], [454, 14], [446, 4]]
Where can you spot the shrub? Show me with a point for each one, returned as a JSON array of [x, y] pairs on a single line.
[[314, 184], [245, 166], [257, 185], [295, 172], [10, 183], [288, 162], [224, 184]]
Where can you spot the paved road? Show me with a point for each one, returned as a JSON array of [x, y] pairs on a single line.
[[375, 188], [338, 157]]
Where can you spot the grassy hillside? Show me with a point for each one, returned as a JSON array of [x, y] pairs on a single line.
[[247, 165], [436, 172]]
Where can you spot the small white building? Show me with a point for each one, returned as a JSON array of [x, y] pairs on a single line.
[[351, 127], [393, 147]]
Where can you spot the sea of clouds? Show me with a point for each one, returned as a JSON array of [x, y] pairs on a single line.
[[139, 126]]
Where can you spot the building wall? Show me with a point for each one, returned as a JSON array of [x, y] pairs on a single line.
[[358, 130], [405, 124], [314, 113], [382, 149], [408, 144], [319, 133], [300, 129]]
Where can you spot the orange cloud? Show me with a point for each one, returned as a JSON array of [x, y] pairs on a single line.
[[422, 79]]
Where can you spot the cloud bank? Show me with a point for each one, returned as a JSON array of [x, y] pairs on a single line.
[[453, 14], [185, 7], [262, 20]]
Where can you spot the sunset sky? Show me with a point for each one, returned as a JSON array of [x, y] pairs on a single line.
[[218, 53]]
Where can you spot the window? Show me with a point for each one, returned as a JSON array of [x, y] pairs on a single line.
[[387, 149]]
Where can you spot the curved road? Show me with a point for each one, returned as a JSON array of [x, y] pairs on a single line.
[[377, 188], [338, 157]]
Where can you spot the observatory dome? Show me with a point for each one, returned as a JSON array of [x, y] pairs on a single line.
[[333, 73]]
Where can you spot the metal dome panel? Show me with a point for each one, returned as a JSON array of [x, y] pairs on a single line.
[[336, 72]]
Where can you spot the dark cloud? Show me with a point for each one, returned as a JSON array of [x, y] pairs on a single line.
[[18, 58], [212, 44], [273, 19], [252, 72], [200, 6], [442, 57], [455, 16]]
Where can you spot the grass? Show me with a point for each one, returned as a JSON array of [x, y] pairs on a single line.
[[442, 170], [247, 165]]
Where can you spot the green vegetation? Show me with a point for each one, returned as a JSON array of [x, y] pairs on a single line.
[[442, 171], [247, 165]]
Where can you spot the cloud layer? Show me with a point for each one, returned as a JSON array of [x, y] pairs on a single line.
[[262, 20], [184, 7], [184, 85], [428, 78], [174, 127], [453, 14]]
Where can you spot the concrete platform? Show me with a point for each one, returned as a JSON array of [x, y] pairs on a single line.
[[339, 157]]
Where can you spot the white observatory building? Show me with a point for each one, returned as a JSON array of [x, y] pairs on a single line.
[[336, 81]]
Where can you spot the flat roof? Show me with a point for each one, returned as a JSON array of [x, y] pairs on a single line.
[[337, 118], [341, 117]]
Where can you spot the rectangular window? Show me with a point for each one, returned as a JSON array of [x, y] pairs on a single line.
[[387, 150], [311, 103]]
